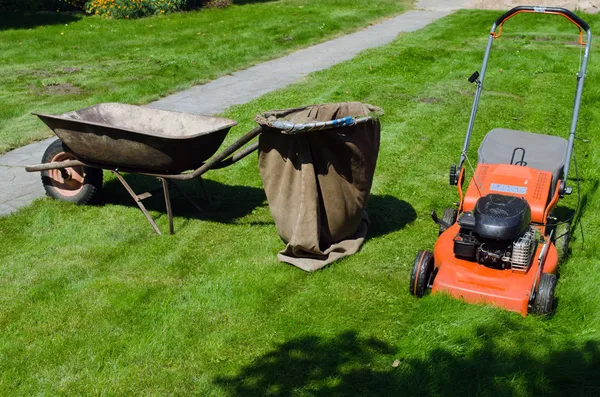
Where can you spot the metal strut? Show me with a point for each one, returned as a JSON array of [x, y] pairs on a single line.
[[166, 184], [138, 200]]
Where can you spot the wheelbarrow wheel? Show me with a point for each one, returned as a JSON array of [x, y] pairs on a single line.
[[543, 303], [79, 185], [421, 273]]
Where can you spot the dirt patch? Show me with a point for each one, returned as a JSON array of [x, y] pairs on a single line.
[[504, 94], [70, 70], [430, 100], [56, 89], [589, 6], [47, 73], [63, 88], [34, 73]]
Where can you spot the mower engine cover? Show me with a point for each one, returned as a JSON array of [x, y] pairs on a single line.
[[501, 217]]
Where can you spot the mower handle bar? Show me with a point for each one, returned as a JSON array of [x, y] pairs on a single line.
[[580, 78], [544, 10]]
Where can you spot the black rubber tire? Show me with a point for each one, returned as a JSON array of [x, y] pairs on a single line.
[[92, 178], [421, 273], [453, 175], [449, 216], [543, 304]]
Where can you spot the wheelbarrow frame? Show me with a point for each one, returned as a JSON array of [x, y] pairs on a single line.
[[220, 160]]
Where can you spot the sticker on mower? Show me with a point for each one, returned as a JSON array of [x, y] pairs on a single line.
[[497, 187]]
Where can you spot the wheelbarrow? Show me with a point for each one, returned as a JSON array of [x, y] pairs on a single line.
[[170, 146]]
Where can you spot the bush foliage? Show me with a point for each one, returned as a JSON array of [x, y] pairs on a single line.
[[133, 8], [111, 8]]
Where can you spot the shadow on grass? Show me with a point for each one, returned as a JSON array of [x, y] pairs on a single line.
[[9, 20], [229, 202], [348, 365], [388, 214], [585, 198]]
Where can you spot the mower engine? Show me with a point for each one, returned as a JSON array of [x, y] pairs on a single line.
[[497, 233]]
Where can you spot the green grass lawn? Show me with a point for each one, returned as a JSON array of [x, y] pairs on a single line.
[[92, 302], [55, 63]]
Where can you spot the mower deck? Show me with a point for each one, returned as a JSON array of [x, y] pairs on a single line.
[[479, 284]]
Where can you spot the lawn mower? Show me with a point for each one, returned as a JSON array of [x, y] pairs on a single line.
[[500, 245]]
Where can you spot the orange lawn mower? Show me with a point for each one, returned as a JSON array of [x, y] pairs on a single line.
[[500, 245]]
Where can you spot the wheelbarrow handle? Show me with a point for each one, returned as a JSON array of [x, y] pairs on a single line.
[[221, 157], [55, 165]]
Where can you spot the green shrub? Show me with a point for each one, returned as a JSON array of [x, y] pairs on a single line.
[[133, 8], [111, 8]]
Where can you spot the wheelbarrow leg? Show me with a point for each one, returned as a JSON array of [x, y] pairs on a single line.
[[138, 200], [165, 187]]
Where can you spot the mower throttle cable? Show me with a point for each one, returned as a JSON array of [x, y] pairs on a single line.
[[477, 183], [577, 208]]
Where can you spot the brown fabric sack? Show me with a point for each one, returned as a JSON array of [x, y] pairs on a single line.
[[318, 182]]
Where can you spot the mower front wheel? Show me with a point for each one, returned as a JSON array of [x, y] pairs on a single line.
[[421, 273], [543, 303]]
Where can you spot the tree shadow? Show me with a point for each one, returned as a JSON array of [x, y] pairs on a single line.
[[229, 202], [16, 21], [349, 365], [388, 214], [307, 362]]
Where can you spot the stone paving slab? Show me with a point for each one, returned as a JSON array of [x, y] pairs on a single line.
[[19, 188]]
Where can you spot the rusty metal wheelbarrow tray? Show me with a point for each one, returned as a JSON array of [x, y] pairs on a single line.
[[139, 138]]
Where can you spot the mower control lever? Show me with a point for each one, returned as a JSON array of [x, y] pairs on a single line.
[[474, 77]]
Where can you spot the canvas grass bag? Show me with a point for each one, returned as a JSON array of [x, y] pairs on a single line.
[[318, 181]]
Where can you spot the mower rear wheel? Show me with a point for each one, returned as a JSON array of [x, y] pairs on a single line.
[[562, 238], [421, 273], [449, 217], [543, 303]]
